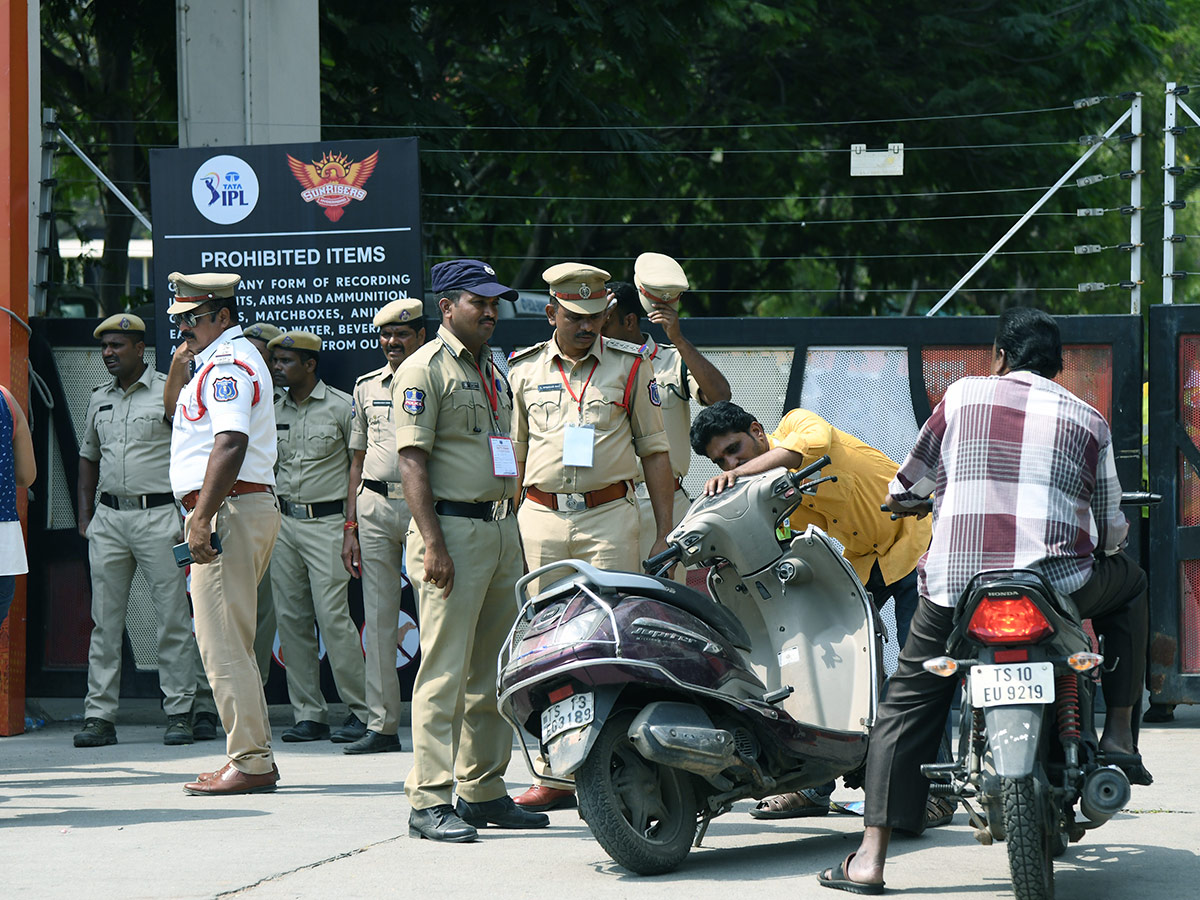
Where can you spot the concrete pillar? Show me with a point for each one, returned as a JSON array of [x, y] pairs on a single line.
[[249, 72]]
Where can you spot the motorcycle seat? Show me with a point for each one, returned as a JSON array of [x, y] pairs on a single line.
[[664, 590]]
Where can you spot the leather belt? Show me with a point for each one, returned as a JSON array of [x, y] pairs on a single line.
[[239, 488], [143, 501], [312, 510], [390, 489], [578, 501], [487, 511]]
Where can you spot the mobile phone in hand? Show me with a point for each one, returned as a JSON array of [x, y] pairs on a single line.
[[183, 553]]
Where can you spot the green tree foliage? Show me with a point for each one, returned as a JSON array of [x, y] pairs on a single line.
[[528, 113]]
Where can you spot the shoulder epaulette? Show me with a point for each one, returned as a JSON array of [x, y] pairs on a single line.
[[626, 347], [361, 378], [340, 394], [518, 355], [97, 387]]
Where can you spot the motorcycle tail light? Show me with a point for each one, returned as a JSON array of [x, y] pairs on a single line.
[[1008, 620], [1083, 662], [941, 665]]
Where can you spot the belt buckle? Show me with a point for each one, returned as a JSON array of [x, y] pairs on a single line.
[[500, 510], [127, 504], [576, 502], [641, 491], [395, 490]]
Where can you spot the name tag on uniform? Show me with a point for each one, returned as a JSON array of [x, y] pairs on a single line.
[[279, 427], [504, 458], [105, 408], [381, 402], [542, 388], [470, 385], [579, 445]]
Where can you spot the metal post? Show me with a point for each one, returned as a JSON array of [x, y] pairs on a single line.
[[1168, 265], [1135, 200], [1029, 213], [46, 232], [105, 180]]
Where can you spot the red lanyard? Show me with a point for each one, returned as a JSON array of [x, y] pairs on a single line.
[[563, 373], [493, 395]]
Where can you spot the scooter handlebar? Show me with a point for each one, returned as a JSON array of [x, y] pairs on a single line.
[[800, 474], [656, 562], [1140, 498]]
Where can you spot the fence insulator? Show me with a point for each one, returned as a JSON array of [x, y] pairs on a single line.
[[1088, 179], [1087, 286], [1085, 102], [1177, 238], [1177, 276], [1129, 95], [1128, 210], [1175, 170], [1084, 249], [1127, 285], [1129, 174], [1089, 211], [1126, 247], [1177, 130], [1181, 89], [1176, 204], [1088, 139], [1128, 137]]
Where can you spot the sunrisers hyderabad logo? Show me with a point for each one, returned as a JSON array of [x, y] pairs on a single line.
[[333, 180]]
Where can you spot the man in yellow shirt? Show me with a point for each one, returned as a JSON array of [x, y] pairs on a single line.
[[883, 552]]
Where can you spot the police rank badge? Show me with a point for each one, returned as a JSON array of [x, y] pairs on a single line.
[[224, 389], [654, 395], [414, 401]]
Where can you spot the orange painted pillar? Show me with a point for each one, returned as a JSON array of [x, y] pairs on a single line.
[[14, 294]]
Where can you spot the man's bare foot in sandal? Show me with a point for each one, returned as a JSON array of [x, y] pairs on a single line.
[[839, 880], [862, 870]]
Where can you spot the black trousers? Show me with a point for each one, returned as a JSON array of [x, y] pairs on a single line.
[[910, 720]]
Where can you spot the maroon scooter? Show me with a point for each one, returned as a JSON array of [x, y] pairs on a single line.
[[666, 706]]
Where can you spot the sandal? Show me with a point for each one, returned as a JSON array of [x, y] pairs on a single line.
[[793, 805], [840, 881], [1130, 764], [939, 811]]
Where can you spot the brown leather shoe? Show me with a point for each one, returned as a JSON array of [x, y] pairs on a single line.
[[540, 798], [205, 776], [229, 781]]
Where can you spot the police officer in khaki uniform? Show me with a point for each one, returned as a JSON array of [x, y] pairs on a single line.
[[126, 448], [680, 369], [453, 412], [222, 455], [260, 334], [308, 580], [377, 519], [586, 409]]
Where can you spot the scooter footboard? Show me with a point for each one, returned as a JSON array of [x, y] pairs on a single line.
[[1014, 733]]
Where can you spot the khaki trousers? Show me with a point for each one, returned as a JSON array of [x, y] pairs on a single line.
[[264, 628], [458, 733], [118, 543], [225, 598], [647, 529], [308, 582], [382, 525], [605, 536]]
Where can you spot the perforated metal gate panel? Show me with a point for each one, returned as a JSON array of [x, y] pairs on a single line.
[[80, 369], [1189, 501]]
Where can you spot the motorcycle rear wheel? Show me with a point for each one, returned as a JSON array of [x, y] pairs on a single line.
[[641, 813], [1031, 844]]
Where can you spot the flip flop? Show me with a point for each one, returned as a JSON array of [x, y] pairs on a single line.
[[840, 881]]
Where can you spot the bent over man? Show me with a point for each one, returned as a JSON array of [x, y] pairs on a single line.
[[453, 413], [222, 472]]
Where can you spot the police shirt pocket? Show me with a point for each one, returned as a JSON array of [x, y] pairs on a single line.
[[466, 409], [669, 395], [321, 441], [149, 428], [379, 424], [604, 410], [545, 409], [104, 425]]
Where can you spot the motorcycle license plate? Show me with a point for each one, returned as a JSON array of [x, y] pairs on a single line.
[[1010, 684], [574, 712]]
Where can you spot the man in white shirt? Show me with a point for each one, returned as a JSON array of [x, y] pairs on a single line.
[[222, 461]]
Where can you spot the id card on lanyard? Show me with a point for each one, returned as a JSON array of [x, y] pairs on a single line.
[[504, 456], [579, 441]]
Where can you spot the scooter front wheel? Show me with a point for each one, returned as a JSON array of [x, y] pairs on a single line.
[[642, 814]]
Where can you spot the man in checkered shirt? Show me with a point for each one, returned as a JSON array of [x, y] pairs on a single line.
[[1023, 476]]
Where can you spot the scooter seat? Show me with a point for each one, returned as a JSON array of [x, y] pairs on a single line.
[[703, 608]]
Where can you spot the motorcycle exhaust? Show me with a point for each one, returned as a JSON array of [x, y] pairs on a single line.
[[1104, 794]]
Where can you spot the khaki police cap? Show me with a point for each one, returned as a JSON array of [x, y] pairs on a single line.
[[578, 287], [262, 331], [120, 322], [192, 290], [398, 312], [296, 340], [659, 279]]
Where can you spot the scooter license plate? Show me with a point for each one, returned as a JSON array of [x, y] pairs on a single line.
[[574, 712], [1011, 684]]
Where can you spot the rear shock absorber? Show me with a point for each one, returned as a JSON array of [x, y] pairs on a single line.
[[1066, 690]]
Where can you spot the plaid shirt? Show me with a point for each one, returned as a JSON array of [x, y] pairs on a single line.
[[1023, 476]]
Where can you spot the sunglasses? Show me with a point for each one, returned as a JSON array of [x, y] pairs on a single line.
[[189, 319]]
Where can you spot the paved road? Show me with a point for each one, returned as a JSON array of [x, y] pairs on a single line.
[[114, 823]]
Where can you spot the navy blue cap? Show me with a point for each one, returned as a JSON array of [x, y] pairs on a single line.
[[469, 275]]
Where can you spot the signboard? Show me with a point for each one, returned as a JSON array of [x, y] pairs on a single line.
[[323, 235]]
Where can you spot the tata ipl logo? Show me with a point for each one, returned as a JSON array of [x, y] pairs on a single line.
[[225, 189]]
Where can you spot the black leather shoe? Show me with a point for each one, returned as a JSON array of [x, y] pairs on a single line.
[[179, 730], [352, 729], [502, 813], [204, 726], [96, 733], [439, 823], [307, 730], [374, 742]]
